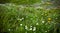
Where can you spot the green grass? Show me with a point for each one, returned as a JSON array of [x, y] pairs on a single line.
[[19, 19]]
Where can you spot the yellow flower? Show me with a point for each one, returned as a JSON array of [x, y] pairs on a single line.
[[49, 19]]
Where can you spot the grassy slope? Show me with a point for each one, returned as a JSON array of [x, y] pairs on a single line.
[[19, 19]]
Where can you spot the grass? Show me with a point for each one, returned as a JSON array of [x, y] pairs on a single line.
[[20, 19]]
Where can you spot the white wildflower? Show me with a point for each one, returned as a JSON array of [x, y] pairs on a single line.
[[9, 29], [20, 24], [34, 28], [37, 24], [43, 21], [45, 31], [30, 29], [26, 27], [30, 26], [20, 19]]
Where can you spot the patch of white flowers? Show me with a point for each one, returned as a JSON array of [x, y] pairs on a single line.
[[34, 28], [30, 26], [26, 27], [30, 29], [43, 21], [37, 23], [45, 31], [20, 24], [20, 19], [9, 29]]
